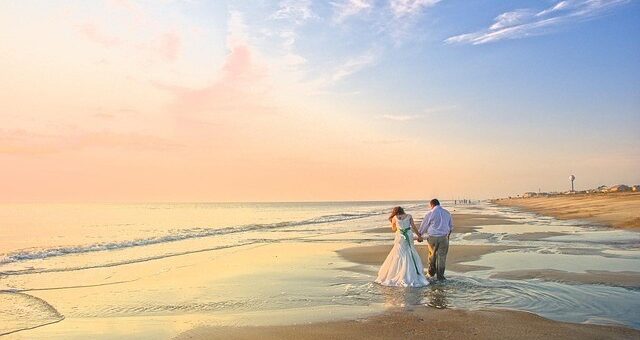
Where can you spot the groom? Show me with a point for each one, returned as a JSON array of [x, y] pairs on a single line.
[[437, 224]]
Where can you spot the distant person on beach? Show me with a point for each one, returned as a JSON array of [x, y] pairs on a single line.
[[403, 266], [437, 224]]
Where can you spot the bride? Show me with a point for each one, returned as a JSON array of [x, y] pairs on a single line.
[[403, 266]]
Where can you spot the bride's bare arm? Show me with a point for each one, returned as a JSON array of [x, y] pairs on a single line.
[[415, 229]]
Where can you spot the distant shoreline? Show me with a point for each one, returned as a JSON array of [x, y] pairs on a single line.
[[618, 210]]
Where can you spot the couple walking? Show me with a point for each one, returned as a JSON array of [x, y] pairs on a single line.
[[403, 266]]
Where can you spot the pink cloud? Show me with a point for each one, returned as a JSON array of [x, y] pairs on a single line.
[[238, 63], [239, 88]]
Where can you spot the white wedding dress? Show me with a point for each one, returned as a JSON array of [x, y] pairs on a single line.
[[403, 266]]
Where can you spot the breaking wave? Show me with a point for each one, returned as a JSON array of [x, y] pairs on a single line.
[[176, 235]]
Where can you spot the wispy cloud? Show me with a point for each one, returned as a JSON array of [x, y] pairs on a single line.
[[401, 118], [354, 65], [348, 8], [523, 23], [557, 7], [510, 19], [294, 14], [403, 8], [291, 58], [297, 11], [427, 111]]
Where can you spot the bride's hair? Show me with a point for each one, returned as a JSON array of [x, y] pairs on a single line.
[[396, 211]]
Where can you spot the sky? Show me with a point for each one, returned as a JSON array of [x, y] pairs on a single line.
[[193, 100]]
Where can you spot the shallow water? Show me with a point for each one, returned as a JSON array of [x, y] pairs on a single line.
[[157, 269]]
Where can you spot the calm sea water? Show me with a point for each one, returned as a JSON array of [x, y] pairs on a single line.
[[132, 266], [46, 232]]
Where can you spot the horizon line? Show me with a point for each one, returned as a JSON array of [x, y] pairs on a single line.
[[240, 202]]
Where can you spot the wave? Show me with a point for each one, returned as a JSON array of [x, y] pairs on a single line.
[[176, 235], [21, 312], [32, 270]]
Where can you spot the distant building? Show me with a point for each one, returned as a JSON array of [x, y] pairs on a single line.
[[619, 188], [530, 194], [635, 188]]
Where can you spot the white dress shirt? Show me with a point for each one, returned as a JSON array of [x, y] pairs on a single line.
[[437, 222]]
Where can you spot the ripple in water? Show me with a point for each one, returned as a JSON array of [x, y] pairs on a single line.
[[557, 301]]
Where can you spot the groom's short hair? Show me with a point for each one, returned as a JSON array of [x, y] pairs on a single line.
[[434, 202]]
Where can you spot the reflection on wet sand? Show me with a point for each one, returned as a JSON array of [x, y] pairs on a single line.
[[433, 295], [401, 297], [436, 297]]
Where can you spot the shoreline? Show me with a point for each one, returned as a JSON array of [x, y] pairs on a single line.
[[617, 210], [375, 255], [424, 322], [626, 279]]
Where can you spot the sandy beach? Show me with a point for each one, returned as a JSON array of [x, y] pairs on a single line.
[[464, 222], [619, 210], [622, 279], [374, 255], [425, 322]]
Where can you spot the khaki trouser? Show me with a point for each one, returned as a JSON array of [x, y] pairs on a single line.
[[438, 248]]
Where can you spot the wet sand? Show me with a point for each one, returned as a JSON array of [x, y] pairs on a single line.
[[425, 322], [374, 255], [532, 236], [463, 223], [619, 210], [422, 322], [620, 279], [518, 324]]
